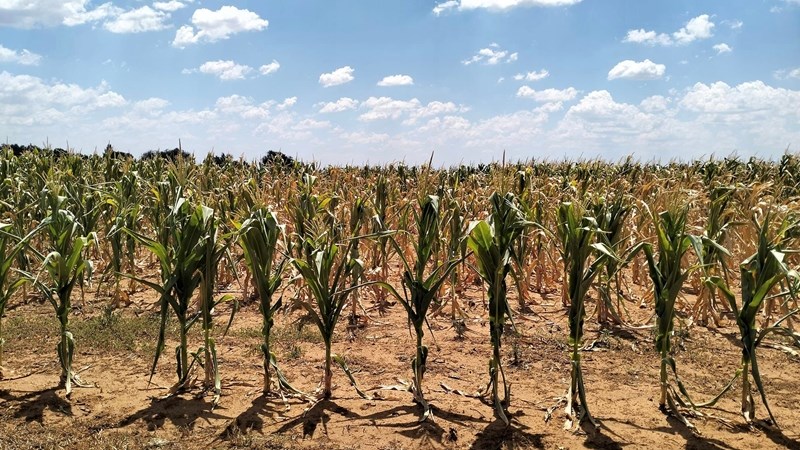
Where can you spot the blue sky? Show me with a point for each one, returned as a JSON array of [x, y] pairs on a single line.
[[390, 80]]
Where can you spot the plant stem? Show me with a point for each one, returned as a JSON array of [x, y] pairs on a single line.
[[328, 377]]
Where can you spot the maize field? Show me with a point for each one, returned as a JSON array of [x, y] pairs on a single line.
[[221, 303]]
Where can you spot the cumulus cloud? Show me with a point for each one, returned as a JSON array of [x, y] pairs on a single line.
[[698, 28], [213, 26], [339, 76], [491, 55], [30, 101], [151, 105], [169, 6], [225, 70], [343, 104], [497, 5], [637, 70], [444, 6], [79, 12], [138, 20], [750, 97], [722, 48], [396, 80], [548, 95], [287, 103], [382, 108], [532, 76], [23, 57], [641, 36], [30, 14], [272, 67], [783, 74]]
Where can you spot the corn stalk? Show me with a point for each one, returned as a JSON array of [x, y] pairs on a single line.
[[668, 276], [420, 288], [326, 270], [577, 235], [64, 266], [761, 274], [492, 242], [260, 236], [182, 261]]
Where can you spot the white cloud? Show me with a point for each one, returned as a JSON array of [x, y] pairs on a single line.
[[138, 21], [272, 67], [655, 103], [24, 57], [396, 80], [151, 105], [444, 6], [497, 5], [789, 5], [597, 119], [213, 26], [243, 107], [339, 76], [751, 97], [30, 14], [784, 74], [30, 101], [169, 6], [35, 13], [637, 70], [387, 108], [343, 104], [722, 48], [79, 15], [547, 95], [491, 55], [225, 70], [697, 28], [734, 24], [532, 76], [381, 108], [287, 103], [651, 38]]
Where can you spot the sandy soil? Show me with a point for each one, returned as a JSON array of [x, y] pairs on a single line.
[[620, 370]]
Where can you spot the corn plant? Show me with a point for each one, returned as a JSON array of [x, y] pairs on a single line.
[[610, 216], [577, 234], [326, 270], [182, 258], [380, 226], [761, 273], [10, 246], [718, 225], [358, 216], [261, 237], [215, 250], [492, 241], [456, 249], [668, 276], [64, 267], [421, 287]]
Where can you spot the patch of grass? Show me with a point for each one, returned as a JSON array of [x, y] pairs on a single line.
[[20, 332], [117, 332], [111, 331], [292, 333]]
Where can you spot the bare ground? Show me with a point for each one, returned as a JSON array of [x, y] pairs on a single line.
[[122, 410]]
